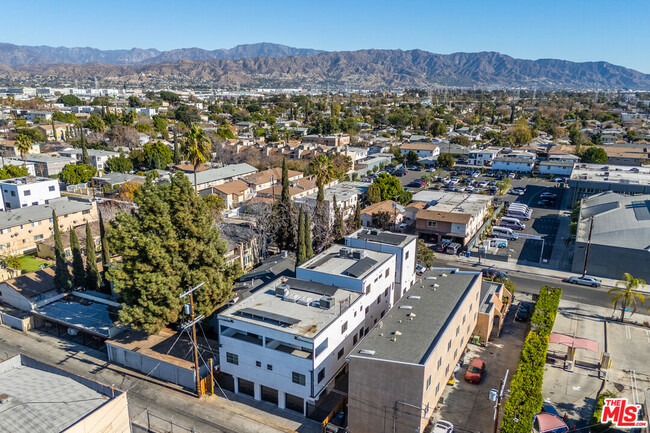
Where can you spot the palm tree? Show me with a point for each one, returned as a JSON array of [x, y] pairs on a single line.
[[24, 145], [322, 167], [196, 147], [12, 261], [624, 294]]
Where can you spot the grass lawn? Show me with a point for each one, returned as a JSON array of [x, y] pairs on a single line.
[[30, 263]]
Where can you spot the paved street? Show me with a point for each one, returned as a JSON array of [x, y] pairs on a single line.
[[207, 415]]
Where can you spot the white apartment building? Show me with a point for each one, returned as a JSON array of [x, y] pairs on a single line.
[[482, 157], [403, 246], [288, 341], [28, 191], [98, 158]]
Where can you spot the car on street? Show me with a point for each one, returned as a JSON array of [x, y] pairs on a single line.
[[442, 426], [584, 281], [558, 179], [548, 195], [545, 203], [524, 311], [475, 370], [494, 273]]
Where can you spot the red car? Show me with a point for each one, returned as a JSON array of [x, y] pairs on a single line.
[[475, 370]]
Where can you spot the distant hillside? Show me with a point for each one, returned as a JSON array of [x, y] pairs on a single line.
[[374, 69], [16, 55]]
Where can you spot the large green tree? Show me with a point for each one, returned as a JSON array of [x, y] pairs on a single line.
[[309, 250], [445, 160], [301, 254], [119, 164], [62, 279], [391, 188], [93, 280], [157, 156], [339, 225], [73, 174], [284, 219], [70, 100], [167, 246], [594, 155], [106, 253]]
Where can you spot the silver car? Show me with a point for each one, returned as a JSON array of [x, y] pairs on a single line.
[[442, 426], [585, 281]]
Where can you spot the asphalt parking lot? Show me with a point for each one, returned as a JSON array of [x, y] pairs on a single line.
[[466, 405]]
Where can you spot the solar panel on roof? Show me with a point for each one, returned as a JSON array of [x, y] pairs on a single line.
[[361, 267], [254, 313]]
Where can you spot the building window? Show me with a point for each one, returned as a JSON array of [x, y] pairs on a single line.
[[439, 362], [426, 409], [437, 388], [355, 339], [344, 327], [464, 317], [428, 382], [4, 246], [52, 188], [341, 352], [449, 345], [367, 309], [457, 330], [36, 223], [379, 299], [386, 292], [432, 223], [258, 363], [455, 353], [298, 378], [269, 367], [407, 255], [232, 358], [13, 193], [86, 212], [321, 375], [38, 237], [27, 193], [447, 371], [387, 272], [5, 231]]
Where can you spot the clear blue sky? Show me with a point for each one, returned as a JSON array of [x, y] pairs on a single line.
[[614, 31]]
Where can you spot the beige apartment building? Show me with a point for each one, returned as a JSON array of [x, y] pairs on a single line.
[[22, 229], [400, 369]]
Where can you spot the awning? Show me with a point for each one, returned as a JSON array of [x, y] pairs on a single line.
[[546, 422], [576, 343]]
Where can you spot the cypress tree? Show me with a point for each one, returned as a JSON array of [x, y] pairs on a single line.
[[177, 150], [284, 217], [53, 130], [286, 197], [300, 253], [321, 193], [84, 151], [356, 223], [93, 279], [309, 250], [62, 281], [78, 271], [339, 227], [106, 254]]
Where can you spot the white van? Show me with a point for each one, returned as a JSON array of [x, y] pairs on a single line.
[[519, 206], [498, 243], [512, 223], [504, 232]]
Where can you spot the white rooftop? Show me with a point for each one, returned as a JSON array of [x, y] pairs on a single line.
[[448, 201], [611, 173], [347, 262]]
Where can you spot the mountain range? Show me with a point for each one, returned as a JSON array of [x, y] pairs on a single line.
[[273, 65]]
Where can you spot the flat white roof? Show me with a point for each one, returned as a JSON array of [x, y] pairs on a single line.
[[335, 261]]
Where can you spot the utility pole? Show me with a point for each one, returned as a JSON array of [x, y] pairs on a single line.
[[192, 323], [591, 227], [497, 396]]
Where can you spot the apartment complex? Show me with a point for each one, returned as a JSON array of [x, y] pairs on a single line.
[[398, 372], [21, 229], [27, 191], [591, 179]]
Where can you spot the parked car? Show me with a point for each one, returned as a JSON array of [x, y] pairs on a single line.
[[442, 426], [548, 195], [517, 191], [416, 184], [419, 269], [584, 281], [453, 248], [475, 370], [476, 174], [512, 175], [524, 311], [403, 227], [494, 273], [545, 203], [441, 246], [483, 184], [558, 179]]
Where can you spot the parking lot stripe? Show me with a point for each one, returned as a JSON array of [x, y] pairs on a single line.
[[647, 334], [628, 333]]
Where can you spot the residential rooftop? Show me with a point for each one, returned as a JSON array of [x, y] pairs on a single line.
[[343, 191], [43, 398], [621, 174], [453, 202], [26, 180], [411, 329], [383, 237], [215, 174], [63, 206], [346, 262], [298, 312]]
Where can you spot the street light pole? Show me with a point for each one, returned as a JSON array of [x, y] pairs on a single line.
[[591, 227], [192, 323], [497, 403]]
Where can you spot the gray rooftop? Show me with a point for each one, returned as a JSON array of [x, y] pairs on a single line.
[[423, 324], [558, 163], [118, 178], [621, 174], [383, 237], [50, 159], [215, 174], [619, 220], [514, 160], [333, 262], [488, 290], [44, 398], [298, 312], [25, 215], [91, 152], [92, 317]]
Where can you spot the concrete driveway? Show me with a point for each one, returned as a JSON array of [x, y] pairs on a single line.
[[466, 405]]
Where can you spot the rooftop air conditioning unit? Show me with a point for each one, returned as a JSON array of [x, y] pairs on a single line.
[[345, 252], [326, 302], [282, 290], [374, 232], [359, 254]]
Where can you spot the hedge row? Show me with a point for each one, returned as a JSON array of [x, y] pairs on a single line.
[[525, 400]]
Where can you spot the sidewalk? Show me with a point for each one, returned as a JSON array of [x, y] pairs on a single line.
[[525, 269]]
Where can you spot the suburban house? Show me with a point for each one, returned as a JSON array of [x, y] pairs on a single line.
[[482, 157], [394, 210], [28, 191], [98, 158], [328, 140], [113, 180], [59, 128], [45, 249], [556, 168], [8, 148], [298, 189], [218, 176], [288, 341], [21, 229], [495, 301], [423, 150], [29, 290], [49, 165], [234, 194], [347, 195], [631, 156], [451, 215], [267, 178], [246, 245], [413, 350], [521, 161]]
